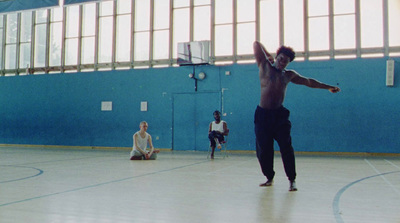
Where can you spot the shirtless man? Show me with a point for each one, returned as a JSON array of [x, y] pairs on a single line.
[[271, 119]]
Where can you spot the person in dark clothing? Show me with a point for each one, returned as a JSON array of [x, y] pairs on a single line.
[[216, 132], [271, 119]]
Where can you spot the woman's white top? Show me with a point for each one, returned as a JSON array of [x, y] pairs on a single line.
[[141, 142]]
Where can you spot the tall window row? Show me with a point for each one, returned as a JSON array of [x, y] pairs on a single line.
[[123, 34]]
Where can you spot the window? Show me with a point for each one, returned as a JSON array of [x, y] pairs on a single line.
[[318, 25], [161, 29], [124, 30], [72, 35], [202, 23], [142, 42], [56, 23], [269, 24], [345, 27], [246, 27], [11, 41], [181, 3], [293, 24], [106, 30], [40, 38], [88, 33], [25, 40], [1, 40], [161, 14], [245, 38], [394, 22], [223, 28], [371, 23], [108, 34], [142, 31], [181, 24]]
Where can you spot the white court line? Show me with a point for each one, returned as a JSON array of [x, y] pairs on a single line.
[[383, 177], [398, 167]]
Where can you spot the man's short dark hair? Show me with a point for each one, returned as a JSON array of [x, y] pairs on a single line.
[[288, 51], [216, 112]]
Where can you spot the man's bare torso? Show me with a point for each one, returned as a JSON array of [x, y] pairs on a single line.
[[273, 87]]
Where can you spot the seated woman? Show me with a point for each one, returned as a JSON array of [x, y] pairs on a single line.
[[140, 140], [216, 132]]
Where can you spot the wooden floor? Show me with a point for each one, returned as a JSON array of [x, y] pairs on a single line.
[[93, 185]]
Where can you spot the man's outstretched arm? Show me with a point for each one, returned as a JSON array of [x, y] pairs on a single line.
[[312, 83]]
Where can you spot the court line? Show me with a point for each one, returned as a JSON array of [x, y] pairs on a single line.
[[24, 178], [392, 164], [101, 184], [383, 177], [63, 160], [89, 156], [336, 200]]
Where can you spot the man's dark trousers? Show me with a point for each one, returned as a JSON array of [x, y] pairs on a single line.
[[273, 125]]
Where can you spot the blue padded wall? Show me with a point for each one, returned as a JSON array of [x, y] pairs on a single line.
[[65, 109]]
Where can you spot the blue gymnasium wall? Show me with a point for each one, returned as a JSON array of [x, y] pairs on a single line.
[[64, 109]]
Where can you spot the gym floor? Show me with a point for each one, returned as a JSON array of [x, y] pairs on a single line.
[[44, 184]]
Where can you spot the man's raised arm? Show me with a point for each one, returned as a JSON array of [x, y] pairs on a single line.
[[261, 54]]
